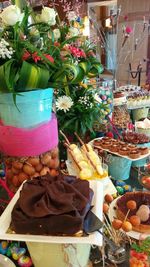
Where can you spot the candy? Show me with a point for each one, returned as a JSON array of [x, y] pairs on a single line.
[[127, 188], [131, 205], [108, 198], [120, 183], [117, 224], [25, 261], [127, 226], [120, 190]]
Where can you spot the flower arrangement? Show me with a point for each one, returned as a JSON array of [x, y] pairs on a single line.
[[78, 111], [37, 50]]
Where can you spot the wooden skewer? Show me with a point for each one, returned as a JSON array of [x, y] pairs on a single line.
[[87, 150], [74, 159], [80, 140], [127, 215], [65, 137], [108, 226]]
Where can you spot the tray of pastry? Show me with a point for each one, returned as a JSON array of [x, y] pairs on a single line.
[[121, 149]]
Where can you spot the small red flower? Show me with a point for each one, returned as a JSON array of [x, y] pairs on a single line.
[[56, 44], [26, 55], [49, 57], [128, 29], [35, 57]]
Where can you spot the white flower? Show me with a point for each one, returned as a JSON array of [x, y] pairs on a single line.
[[64, 103], [71, 16], [11, 15], [48, 15], [5, 50], [73, 32], [56, 34]]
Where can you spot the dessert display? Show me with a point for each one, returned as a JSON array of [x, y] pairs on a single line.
[[121, 117], [20, 169], [135, 206], [120, 148], [85, 160], [138, 99], [52, 206], [135, 138], [119, 98], [143, 127]]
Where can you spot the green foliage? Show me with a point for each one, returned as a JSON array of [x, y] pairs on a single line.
[[142, 247]]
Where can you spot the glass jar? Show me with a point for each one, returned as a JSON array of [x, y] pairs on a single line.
[[19, 169]]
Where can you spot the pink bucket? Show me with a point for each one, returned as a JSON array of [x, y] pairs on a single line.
[[29, 142]]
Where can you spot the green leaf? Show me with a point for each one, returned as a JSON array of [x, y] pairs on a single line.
[[32, 77]]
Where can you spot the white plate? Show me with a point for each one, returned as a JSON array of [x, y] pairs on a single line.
[[117, 154], [112, 214], [6, 262], [94, 238]]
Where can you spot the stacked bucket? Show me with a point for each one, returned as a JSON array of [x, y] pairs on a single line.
[[28, 136]]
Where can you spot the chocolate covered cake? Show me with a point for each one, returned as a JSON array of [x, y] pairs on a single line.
[[52, 206]]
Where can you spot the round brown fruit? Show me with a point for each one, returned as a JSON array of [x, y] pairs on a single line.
[[29, 170], [34, 161], [105, 207], [44, 171], [131, 205], [54, 153], [135, 220], [45, 159], [15, 181], [126, 226], [108, 198], [17, 165], [14, 170], [117, 224], [38, 167], [22, 177], [54, 163], [54, 172]]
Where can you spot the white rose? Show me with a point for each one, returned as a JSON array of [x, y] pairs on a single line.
[[73, 32], [11, 15], [71, 16], [48, 15], [56, 34]]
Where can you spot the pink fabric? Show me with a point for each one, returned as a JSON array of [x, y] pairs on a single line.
[[29, 142]]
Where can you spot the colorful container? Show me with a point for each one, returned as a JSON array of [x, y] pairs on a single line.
[[54, 255], [33, 108], [118, 167], [29, 142]]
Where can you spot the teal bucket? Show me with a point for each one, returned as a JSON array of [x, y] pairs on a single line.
[[33, 108], [118, 167]]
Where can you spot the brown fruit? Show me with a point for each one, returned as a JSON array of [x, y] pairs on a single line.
[[35, 175], [34, 161], [9, 174], [53, 164], [127, 226], [45, 159], [22, 177], [15, 181], [117, 224], [54, 172], [54, 153], [38, 167], [131, 205], [135, 220], [108, 198], [29, 170], [17, 165], [44, 171], [105, 207], [14, 170]]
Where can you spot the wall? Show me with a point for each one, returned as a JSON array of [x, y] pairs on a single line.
[[135, 10]]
